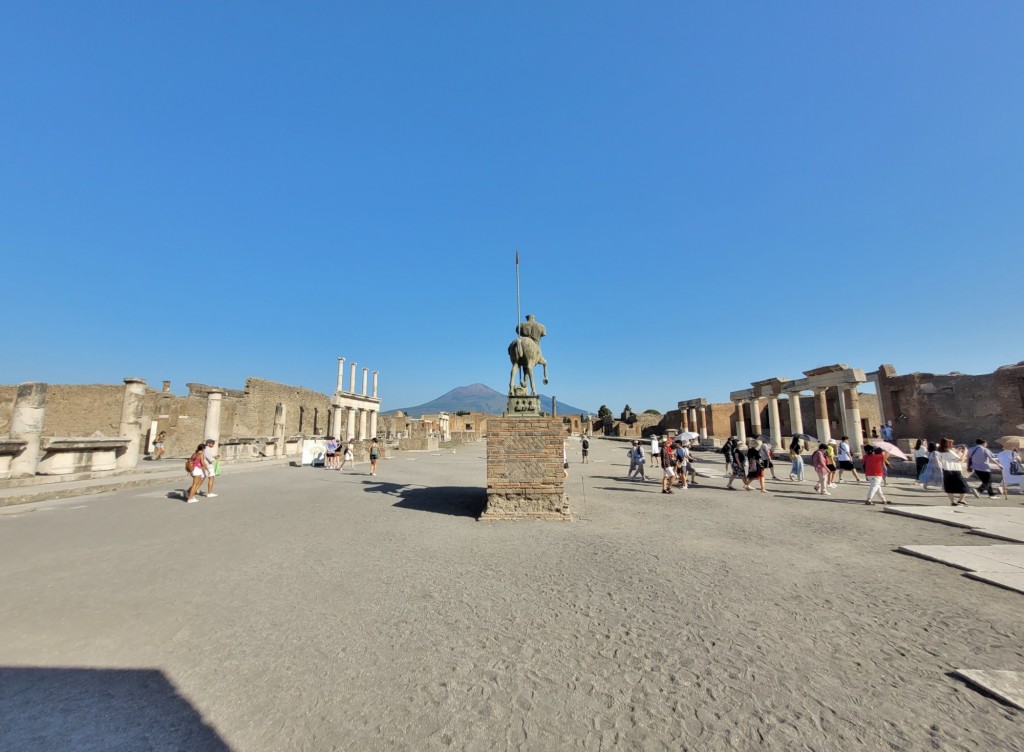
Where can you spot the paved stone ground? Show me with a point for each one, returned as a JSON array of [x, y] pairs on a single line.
[[309, 609]]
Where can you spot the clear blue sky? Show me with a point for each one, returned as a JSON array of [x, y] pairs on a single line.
[[703, 194]]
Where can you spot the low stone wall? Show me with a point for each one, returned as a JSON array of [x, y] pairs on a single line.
[[419, 443]]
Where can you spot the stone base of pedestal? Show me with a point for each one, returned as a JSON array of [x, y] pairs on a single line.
[[525, 477]]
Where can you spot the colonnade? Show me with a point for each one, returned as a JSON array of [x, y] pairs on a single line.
[[694, 416], [354, 414]]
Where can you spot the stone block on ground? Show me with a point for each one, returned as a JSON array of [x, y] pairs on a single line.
[[1008, 686]]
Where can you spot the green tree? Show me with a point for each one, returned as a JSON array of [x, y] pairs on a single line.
[[604, 412]]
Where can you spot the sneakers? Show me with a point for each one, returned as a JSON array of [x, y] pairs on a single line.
[[210, 495], [193, 500], [826, 493], [833, 485]]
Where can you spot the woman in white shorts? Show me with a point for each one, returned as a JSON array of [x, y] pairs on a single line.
[[199, 471]]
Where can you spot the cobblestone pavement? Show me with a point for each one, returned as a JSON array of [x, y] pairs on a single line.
[[307, 609]]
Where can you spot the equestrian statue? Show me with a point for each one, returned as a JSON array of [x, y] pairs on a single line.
[[525, 354]]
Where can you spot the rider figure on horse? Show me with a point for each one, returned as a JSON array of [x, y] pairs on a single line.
[[531, 328]]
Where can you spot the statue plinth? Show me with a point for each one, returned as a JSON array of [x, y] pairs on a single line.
[[523, 405], [525, 479]]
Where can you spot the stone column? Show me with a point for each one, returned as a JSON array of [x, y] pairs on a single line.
[[366, 373], [280, 413], [854, 432], [795, 417], [211, 429], [352, 379], [373, 424], [755, 417], [741, 425], [131, 422], [824, 432], [686, 419], [27, 426], [703, 423], [341, 373], [362, 424], [336, 422], [774, 426], [350, 428], [375, 373]]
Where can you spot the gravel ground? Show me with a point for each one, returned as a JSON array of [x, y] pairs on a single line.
[[313, 610]]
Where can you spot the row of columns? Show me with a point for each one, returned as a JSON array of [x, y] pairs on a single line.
[[699, 418], [849, 403], [360, 423], [352, 379]]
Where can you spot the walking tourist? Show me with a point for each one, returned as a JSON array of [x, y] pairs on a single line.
[[766, 458], [951, 461], [874, 464], [637, 462], [655, 451], [755, 468], [211, 467], [887, 434], [375, 455], [682, 457], [819, 461], [920, 457], [585, 448], [737, 465], [980, 461], [932, 473], [796, 470], [830, 448], [1013, 473], [331, 454], [198, 464], [668, 472], [158, 445], [845, 459], [727, 449]]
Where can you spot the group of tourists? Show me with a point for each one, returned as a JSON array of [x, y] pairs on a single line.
[[673, 457], [943, 464], [203, 464], [336, 456]]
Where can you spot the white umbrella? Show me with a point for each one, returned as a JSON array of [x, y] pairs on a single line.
[[687, 436]]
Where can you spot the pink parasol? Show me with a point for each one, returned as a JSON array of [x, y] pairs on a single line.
[[891, 449]]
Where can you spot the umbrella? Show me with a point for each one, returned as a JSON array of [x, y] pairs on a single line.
[[891, 449], [1010, 442], [687, 436], [807, 437]]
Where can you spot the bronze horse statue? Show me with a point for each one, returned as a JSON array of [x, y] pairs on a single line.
[[525, 354]]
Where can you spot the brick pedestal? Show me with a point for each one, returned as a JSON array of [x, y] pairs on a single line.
[[525, 479]]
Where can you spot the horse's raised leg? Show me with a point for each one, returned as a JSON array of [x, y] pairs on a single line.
[[545, 364]]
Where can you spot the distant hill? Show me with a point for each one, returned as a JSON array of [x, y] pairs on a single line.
[[478, 398]]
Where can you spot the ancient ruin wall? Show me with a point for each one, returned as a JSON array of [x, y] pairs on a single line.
[[83, 409], [255, 414]]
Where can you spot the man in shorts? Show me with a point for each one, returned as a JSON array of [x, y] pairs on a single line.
[[209, 468], [845, 459], [585, 446]]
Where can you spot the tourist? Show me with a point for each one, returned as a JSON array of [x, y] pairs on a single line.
[[375, 455], [727, 449], [874, 463], [951, 460], [887, 434], [565, 458], [845, 459], [158, 445], [1013, 473], [920, 457], [682, 458], [348, 457], [830, 449], [198, 462], [668, 472], [819, 461], [585, 447], [766, 459], [932, 473], [637, 462], [331, 454], [755, 468], [980, 461], [874, 433], [796, 471], [737, 464], [655, 451], [211, 467]]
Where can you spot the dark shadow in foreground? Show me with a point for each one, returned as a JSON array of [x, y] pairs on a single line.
[[93, 709], [459, 501]]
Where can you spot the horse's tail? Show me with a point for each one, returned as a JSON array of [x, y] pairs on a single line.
[[519, 349]]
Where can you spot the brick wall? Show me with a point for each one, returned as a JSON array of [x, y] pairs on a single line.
[[525, 478]]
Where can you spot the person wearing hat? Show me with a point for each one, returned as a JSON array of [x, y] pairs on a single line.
[[210, 467]]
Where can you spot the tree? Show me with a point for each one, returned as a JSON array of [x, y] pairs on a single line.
[[604, 412], [652, 412]]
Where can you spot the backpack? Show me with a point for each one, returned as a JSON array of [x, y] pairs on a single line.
[[586, 444], [190, 465]]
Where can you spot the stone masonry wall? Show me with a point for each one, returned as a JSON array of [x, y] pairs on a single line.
[[525, 479], [255, 415], [83, 409]]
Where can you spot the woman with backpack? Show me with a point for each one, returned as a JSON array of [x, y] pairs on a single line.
[[737, 465], [819, 461], [637, 461], [198, 469], [755, 464]]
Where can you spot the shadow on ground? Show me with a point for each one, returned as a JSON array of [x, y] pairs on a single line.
[[76, 709], [459, 501]]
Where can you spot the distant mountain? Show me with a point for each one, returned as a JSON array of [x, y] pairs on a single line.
[[478, 398]]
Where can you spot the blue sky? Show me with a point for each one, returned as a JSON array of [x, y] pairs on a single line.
[[703, 194]]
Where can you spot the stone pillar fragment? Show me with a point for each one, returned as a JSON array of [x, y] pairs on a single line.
[[795, 417], [350, 423], [373, 424], [741, 426], [211, 429], [686, 419], [755, 417], [362, 424], [854, 428], [693, 419], [352, 379], [280, 414], [131, 422], [774, 425], [824, 431], [366, 373], [375, 373], [703, 423], [27, 426], [341, 373]]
